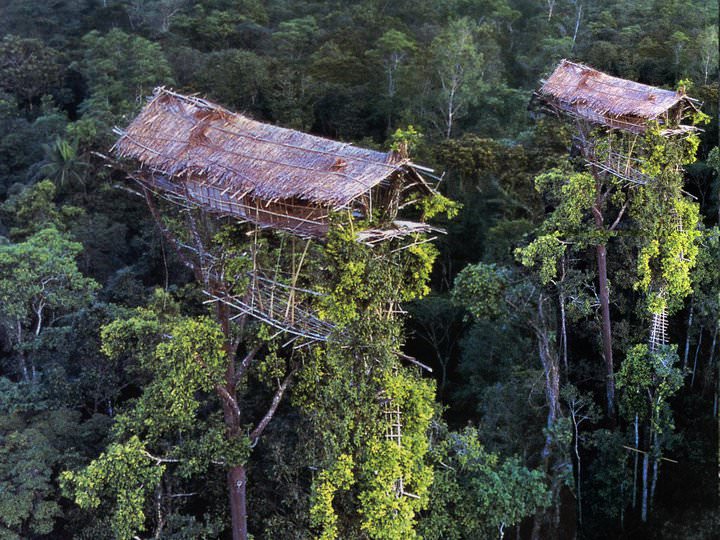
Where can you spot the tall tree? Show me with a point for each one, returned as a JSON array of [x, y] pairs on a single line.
[[39, 283], [458, 70]]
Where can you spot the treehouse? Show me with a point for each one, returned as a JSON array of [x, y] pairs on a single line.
[[198, 153], [624, 110], [594, 97]]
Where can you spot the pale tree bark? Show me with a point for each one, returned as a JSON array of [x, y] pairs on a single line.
[[551, 7], [636, 458], [695, 359], [551, 370], [687, 334], [578, 18]]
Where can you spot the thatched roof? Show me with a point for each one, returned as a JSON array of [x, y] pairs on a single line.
[[186, 137], [600, 98]]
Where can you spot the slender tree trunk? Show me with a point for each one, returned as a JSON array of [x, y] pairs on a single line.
[[237, 475], [635, 466], [697, 351], [601, 253], [21, 354], [578, 17], [563, 333], [604, 293], [622, 506], [23, 366], [687, 335], [537, 526], [655, 466], [579, 471], [644, 508], [237, 482], [550, 362], [708, 378]]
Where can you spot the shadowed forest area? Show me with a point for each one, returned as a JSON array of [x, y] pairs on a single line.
[[536, 355]]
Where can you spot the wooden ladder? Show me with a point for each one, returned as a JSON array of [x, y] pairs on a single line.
[[658, 330], [393, 433]]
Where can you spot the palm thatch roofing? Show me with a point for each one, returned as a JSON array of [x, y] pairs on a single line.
[[182, 139], [594, 96]]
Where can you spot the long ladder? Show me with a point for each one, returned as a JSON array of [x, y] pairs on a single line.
[[658, 330], [393, 433]]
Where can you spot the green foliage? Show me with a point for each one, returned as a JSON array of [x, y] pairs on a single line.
[[120, 70], [385, 515], [235, 78], [346, 387], [28, 68], [480, 288], [36, 443], [181, 361], [360, 285], [437, 204], [184, 358], [475, 493], [669, 222], [39, 281], [124, 474], [404, 141], [62, 164], [647, 381], [545, 252], [607, 485], [33, 209], [573, 195], [329, 481], [665, 154]]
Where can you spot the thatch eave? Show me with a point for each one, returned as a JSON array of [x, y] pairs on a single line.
[[229, 164], [580, 91], [185, 136]]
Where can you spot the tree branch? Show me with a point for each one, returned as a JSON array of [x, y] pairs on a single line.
[[258, 431], [159, 460], [229, 399], [245, 363], [619, 216]]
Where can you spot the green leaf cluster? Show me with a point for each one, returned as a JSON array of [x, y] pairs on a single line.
[[124, 474], [476, 493]]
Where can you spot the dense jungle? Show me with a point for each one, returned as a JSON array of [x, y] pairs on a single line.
[[496, 376]]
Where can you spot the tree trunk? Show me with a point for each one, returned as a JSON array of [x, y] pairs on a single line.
[[236, 476], [579, 471], [635, 465], [697, 351], [687, 335], [601, 253], [550, 362], [578, 17], [563, 333], [237, 482], [604, 297], [709, 377], [655, 466], [644, 508], [23, 367]]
